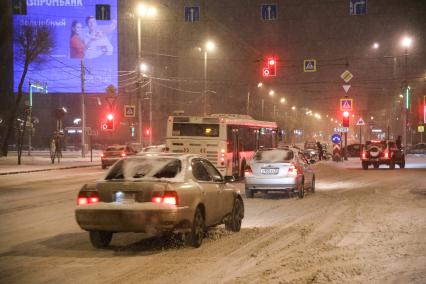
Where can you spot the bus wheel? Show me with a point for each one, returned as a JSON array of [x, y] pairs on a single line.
[[243, 168]]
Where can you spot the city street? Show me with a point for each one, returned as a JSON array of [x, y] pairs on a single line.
[[359, 227]]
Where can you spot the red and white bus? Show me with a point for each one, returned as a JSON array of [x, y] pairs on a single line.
[[227, 140]]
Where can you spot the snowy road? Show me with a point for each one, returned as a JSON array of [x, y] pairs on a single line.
[[360, 226]]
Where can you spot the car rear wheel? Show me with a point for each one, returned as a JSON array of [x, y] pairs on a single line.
[[233, 223], [197, 231], [402, 165], [392, 165], [364, 166], [301, 192], [376, 165], [100, 239]]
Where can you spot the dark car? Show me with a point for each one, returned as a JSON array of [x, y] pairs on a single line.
[[378, 153], [354, 150], [419, 148], [114, 153]]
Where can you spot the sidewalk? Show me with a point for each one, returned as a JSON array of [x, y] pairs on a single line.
[[40, 161]]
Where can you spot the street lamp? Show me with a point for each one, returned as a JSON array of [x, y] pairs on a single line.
[[282, 100], [142, 11], [406, 43], [209, 46], [271, 93], [375, 45]]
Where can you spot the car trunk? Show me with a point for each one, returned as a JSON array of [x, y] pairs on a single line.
[[270, 170], [122, 191]]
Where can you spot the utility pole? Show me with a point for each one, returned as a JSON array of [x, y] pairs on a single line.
[[83, 113], [150, 111], [248, 103], [140, 84]]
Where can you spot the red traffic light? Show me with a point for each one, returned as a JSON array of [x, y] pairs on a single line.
[[147, 131], [110, 116], [346, 114], [270, 69], [271, 61]]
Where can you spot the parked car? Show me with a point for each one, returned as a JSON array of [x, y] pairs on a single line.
[[114, 153], [159, 194], [385, 152], [283, 169], [419, 148], [354, 150], [155, 149]]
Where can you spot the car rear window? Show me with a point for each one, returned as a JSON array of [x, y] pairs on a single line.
[[274, 156], [379, 144], [139, 168], [112, 149]]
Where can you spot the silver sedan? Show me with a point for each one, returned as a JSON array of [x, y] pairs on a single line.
[[158, 194], [284, 169]]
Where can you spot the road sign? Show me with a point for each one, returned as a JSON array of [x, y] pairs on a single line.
[[269, 12], [341, 129], [192, 14], [360, 122], [420, 128], [346, 76], [129, 111], [357, 7], [346, 87], [309, 65], [346, 104], [335, 138]]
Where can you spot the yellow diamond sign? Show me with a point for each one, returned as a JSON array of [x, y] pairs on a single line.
[[346, 76]]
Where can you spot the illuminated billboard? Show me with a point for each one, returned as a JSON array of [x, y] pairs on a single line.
[[84, 31]]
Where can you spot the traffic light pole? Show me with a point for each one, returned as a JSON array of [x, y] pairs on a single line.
[[140, 132]]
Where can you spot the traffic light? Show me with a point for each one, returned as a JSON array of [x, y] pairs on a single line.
[[109, 122], [147, 131], [132, 131], [407, 92], [270, 69], [345, 119]]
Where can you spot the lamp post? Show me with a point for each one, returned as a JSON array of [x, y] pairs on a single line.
[[142, 11], [406, 43], [209, 46]]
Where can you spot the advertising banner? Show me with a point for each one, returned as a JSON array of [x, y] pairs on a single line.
[[83, 31]]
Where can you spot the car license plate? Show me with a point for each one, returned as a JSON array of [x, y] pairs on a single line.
[[269, 171], [124, 197]]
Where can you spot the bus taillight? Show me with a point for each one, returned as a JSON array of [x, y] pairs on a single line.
[[222, 157]]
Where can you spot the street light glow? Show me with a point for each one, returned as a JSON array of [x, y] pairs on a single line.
[[293, 108], [143, 67], [259, 85], [282, 100], [271, 92], [146, 11], [375, 45], [210, 46], [406, 42]]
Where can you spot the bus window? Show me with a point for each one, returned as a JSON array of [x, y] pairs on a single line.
[[195, 129]]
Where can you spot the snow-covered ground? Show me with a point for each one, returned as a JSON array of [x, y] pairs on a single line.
[[359, 227]]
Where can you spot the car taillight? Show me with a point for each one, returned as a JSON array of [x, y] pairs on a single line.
[[248, 171], [166, 197], [87, 197], [386, 154], [364, 155], [123, 154], [292, 170], [102, 155]]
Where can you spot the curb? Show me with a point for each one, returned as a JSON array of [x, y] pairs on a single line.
[[45, 170]]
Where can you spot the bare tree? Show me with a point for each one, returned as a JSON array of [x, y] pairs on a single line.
[[32, 42]]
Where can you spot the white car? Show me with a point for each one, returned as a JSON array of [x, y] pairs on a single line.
[[279, 169]]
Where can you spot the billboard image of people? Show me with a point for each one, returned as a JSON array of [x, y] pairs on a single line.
[[79, 39]]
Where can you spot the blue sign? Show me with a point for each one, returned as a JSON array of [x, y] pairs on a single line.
[[192, 14], [357, 7], [77, 35], [336, 139], [269, 12]]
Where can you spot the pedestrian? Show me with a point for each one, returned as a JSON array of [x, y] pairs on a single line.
[[398, 142], [320, 152]]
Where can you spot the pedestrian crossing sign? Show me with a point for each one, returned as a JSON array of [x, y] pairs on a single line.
[[309, 65], [129, 111], [346, 104]]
